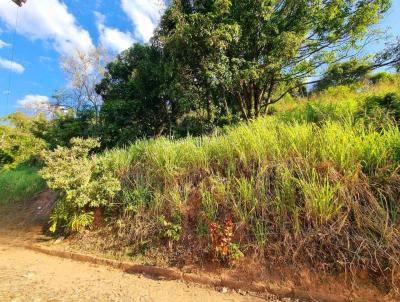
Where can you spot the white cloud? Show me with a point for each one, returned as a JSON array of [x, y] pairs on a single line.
[[4, 44], [35, 103], [112, 38], [11, 65], [145, 15], [50, 21], [43, 59]]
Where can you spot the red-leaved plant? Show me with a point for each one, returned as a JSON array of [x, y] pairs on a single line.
[[221, 238]]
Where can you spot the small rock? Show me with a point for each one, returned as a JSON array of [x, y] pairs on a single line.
[[29, 275], [224, 290], [59, 240], [242, 292]]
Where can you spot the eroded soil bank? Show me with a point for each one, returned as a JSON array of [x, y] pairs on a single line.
[[27, 275], [30, 276]]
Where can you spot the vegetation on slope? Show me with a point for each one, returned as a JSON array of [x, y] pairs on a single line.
[[18, 144], [19, 158], [285, 176], [317, 184], [20, 184]]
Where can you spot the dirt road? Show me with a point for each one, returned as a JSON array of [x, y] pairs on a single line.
[[29, 276]]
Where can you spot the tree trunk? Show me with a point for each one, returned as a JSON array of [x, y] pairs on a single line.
[[98, 217], [239, 99], [208, 108]]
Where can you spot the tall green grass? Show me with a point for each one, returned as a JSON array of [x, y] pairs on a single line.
[[326, 193], [339, 103], [315, 183], [20, 184]]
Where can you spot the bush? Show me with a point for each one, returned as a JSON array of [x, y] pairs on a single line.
[[381, 77], [17, 143], [83, 183], [380, 109]]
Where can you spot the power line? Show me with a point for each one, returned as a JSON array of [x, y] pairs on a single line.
[[12, 58]]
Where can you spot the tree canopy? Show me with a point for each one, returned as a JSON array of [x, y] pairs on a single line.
[[138, 96], [344, 73], [249, 53], [212, 63]]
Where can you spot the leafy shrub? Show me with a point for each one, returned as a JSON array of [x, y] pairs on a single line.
[[222, 243], [17, 143], [171, 231], [83, 183], [379, 109], [381, 77]]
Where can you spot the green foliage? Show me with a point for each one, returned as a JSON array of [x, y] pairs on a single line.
[[17, 142], [215, 63], [346, 147], [320, 197], [82, 182], [138, 97], [20, 184], [296, 185], [234, 252], [381, 77], [345, 73], [238, 57], [66, 125], [169, 230], [314, 174], [136, 199], [377, 109]]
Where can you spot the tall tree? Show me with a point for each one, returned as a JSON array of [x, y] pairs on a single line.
[[254, 52], [83, 70], [138, 98], [344, 73]]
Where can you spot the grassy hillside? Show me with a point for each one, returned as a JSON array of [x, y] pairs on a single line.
[[317, 183], [20, 184]]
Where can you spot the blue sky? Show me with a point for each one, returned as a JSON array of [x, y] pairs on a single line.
[[48, 29]]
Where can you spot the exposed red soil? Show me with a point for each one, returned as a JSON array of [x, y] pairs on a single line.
[[23, 225]]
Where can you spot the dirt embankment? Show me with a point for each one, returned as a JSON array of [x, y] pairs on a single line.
[[27, 275], [25, 221]]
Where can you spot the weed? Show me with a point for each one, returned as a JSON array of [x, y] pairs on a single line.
[[171, 231], [222, 243]]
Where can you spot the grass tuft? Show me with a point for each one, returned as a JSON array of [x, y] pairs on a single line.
[[19, 184]]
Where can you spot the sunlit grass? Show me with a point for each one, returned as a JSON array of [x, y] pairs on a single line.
[[20, 184], [318, 177]]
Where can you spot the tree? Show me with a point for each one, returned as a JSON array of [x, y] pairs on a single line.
[[138, 97], [344, 73], [252, 53], [83, 71], [390, 56], [66, 125]]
